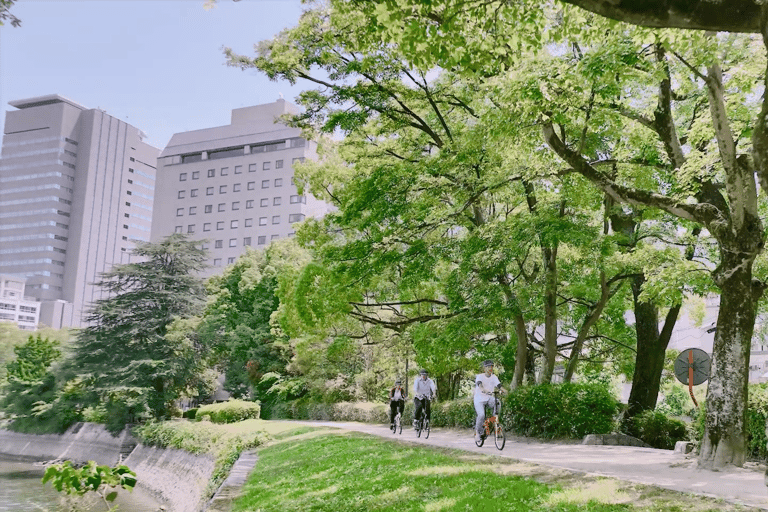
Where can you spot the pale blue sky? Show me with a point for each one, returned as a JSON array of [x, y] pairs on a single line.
[[156, 64]]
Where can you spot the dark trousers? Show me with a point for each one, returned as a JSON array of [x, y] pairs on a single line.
[[394, 407], [418, 404]]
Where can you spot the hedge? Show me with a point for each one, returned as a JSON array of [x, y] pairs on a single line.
[[230, 411]]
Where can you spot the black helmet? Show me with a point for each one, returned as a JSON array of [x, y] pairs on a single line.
[[487, 362], [423, 372], [397, 382]]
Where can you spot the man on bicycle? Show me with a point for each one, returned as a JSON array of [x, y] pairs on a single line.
[[397, 396], [424, 389], [485, 384]]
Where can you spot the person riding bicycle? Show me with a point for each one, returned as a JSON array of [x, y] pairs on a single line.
[[424, 389], [485, 384], [397, 396]]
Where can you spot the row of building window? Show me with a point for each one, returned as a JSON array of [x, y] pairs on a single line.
[[35, 200], [13, 263], [236, 187], [35, 225], [53, 174], [25, 213], [238, 169], [234, 224], [222, 207], [216, 154]]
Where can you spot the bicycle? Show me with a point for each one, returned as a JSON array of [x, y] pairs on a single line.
[[492, 424], [422, 424], [397, 428]]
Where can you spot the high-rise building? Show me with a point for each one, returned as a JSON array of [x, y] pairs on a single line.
[[76, 192], [233, 185]]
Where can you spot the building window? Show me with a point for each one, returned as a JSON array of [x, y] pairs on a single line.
[[233, 242], [193, 192], [127, 192], [253, 167], [179, 212], [264, 202], [130, 182], [278, 182], [183, 176], [222, 189], [235, 205], [275, 219], [274, 237], [209, 191], [224, 171], [222, 207], [236, 187], [262, 240], [264, 183], [238, 169], [218, 244], [220, 225], [248, 223], [216, 262], [246, 241], [207, 226], [192, 210], [230, 260], [300, 159], [298, 199], [208, 208], [251, 185], [191, 228], [204, 247], [278, 164], [211, 173], [125, 226], [233, 224], [267, 166], [296, 217], [181, 194], [249, 204], [178, 229], [196, 175], [277, 201], [126, 204], [262, 221]]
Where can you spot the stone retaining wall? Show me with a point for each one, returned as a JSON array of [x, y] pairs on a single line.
[[175, 477]]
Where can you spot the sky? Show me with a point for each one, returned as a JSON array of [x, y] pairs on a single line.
[[155, 64]]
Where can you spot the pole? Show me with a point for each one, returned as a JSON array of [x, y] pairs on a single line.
[[690, 377]]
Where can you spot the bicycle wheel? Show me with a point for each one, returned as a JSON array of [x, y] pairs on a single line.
[[426, 427], [419, 428], [498, 434], [481, 441], [399, 427]]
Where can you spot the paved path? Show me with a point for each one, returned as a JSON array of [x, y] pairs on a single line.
[[661, 468]]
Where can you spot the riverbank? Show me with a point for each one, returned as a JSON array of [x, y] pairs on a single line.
[[178, 480]]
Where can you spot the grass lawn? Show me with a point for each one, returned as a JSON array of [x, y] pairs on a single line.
[[334, 470]]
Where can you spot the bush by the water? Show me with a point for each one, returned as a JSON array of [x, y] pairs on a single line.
[[657, 429], [554, 411], [230, 411]]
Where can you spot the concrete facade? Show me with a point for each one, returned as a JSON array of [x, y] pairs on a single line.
[[15, 306], [76, 193], [232, 186]]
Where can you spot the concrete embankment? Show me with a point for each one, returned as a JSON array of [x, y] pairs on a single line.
[[176, 478]]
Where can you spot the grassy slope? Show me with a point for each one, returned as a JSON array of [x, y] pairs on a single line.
[[331, 470]]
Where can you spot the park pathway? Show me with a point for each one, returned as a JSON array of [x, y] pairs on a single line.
[[660, 468]]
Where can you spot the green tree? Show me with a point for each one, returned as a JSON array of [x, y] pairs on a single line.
[[124, 354], [5, 13]]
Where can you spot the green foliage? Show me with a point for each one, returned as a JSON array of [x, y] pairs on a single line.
[[91, 478], [131, 358], [657, 429], [676, 401], [560, 411], [33, 360], [190, 413], [230, 411]]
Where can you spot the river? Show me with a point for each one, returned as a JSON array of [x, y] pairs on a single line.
[[21, 490]]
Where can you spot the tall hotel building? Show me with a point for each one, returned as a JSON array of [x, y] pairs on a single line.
[[76, 192], [233, 185]]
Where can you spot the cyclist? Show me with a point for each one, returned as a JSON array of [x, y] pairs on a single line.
[[424, 389], [485, 384], [397, 396]]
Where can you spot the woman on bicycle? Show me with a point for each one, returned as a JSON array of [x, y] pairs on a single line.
[[424, 389], [485, 384], [397, 396]]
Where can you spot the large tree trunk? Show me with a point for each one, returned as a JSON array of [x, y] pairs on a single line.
[[549, 255], [521, 355], [725, 436], [651, 351]]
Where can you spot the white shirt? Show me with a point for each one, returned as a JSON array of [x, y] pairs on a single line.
[[424, 387], [485, 385]]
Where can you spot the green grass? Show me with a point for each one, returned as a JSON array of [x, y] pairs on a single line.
[[356, 472]]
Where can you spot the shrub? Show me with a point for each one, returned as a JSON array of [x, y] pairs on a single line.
[[230, 411], [454, 413], [657, 429], [190, 413], [560, 410]]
